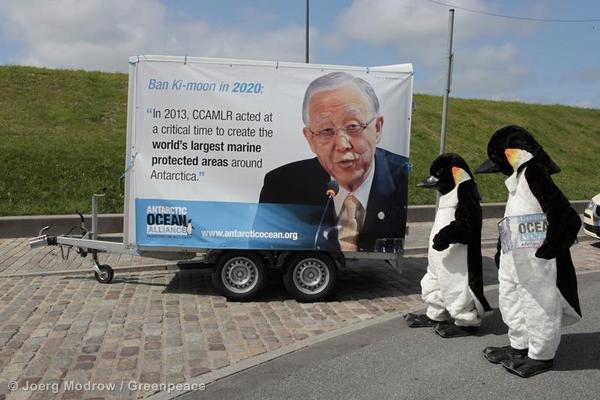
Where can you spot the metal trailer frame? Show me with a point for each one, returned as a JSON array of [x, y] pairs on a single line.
[[89, 242]]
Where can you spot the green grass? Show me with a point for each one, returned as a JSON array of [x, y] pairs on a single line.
[[62, 137], [570, 135]]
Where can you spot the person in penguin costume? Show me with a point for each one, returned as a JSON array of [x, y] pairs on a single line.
[[452, 288], [537, 286]]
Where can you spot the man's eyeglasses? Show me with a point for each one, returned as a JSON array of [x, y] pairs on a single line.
[[353, 129]]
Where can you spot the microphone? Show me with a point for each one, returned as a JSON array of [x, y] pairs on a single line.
[[332, 189]]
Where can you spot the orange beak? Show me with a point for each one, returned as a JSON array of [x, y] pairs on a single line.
[[459, 175], [513, 156]]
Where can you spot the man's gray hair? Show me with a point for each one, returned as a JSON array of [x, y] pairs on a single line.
[[333, 81]]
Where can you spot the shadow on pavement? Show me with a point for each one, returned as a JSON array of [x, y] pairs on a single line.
[[362, 282], [493, 325], [366, 280], [138, 280], [578, 351], [490, 271]]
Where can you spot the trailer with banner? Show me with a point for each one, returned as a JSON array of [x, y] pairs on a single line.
[[252, 165]]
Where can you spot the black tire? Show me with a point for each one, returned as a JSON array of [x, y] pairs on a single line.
[[239, 275], [310, 277], [107, 274]]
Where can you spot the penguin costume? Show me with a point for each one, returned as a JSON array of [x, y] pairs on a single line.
[[452, 288], [537, 286]]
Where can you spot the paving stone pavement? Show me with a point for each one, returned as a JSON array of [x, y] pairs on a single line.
[[169, 327]]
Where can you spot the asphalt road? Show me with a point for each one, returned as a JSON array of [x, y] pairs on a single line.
[[391, 361]]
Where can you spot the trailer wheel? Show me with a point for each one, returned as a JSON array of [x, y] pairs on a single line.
[[310, 277], [239, 275], [106, 274]]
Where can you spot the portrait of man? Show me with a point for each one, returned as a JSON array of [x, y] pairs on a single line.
[[353, 192]]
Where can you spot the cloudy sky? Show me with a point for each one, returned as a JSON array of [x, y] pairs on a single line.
[[495, 58]]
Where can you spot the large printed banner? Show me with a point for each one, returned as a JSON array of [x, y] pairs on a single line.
[[266, 155]]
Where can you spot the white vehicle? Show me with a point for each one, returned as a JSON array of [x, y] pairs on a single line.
[[591, 218], [228, 162]]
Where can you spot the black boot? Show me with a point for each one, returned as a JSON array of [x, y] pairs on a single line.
[[419, 321], [451, 331], [496, 355], [526, 367]]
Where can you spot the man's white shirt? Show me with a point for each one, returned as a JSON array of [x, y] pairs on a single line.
[[362, 194]]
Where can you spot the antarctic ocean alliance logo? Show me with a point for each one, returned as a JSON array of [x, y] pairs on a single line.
[[168, 221], [523, 231], [532, 228]]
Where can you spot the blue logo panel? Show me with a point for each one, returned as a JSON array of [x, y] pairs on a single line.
[[205, 224]]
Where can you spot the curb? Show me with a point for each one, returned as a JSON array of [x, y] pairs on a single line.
[[174, 265], [187, 264], [485, 244], [29, 226]]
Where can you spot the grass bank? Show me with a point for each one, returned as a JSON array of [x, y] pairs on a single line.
[[62, 137]]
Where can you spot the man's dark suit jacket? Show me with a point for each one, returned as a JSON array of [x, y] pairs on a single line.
[[305, 183]]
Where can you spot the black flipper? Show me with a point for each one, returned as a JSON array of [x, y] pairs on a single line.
[[563, 226], [467, 218], [526, 367], [497, 255], [419, 321], [471, 211], [453, 331]]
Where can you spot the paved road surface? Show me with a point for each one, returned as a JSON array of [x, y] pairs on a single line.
[[391, 361]]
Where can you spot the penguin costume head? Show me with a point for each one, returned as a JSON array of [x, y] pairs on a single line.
[[446, 172], [510, 148]]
